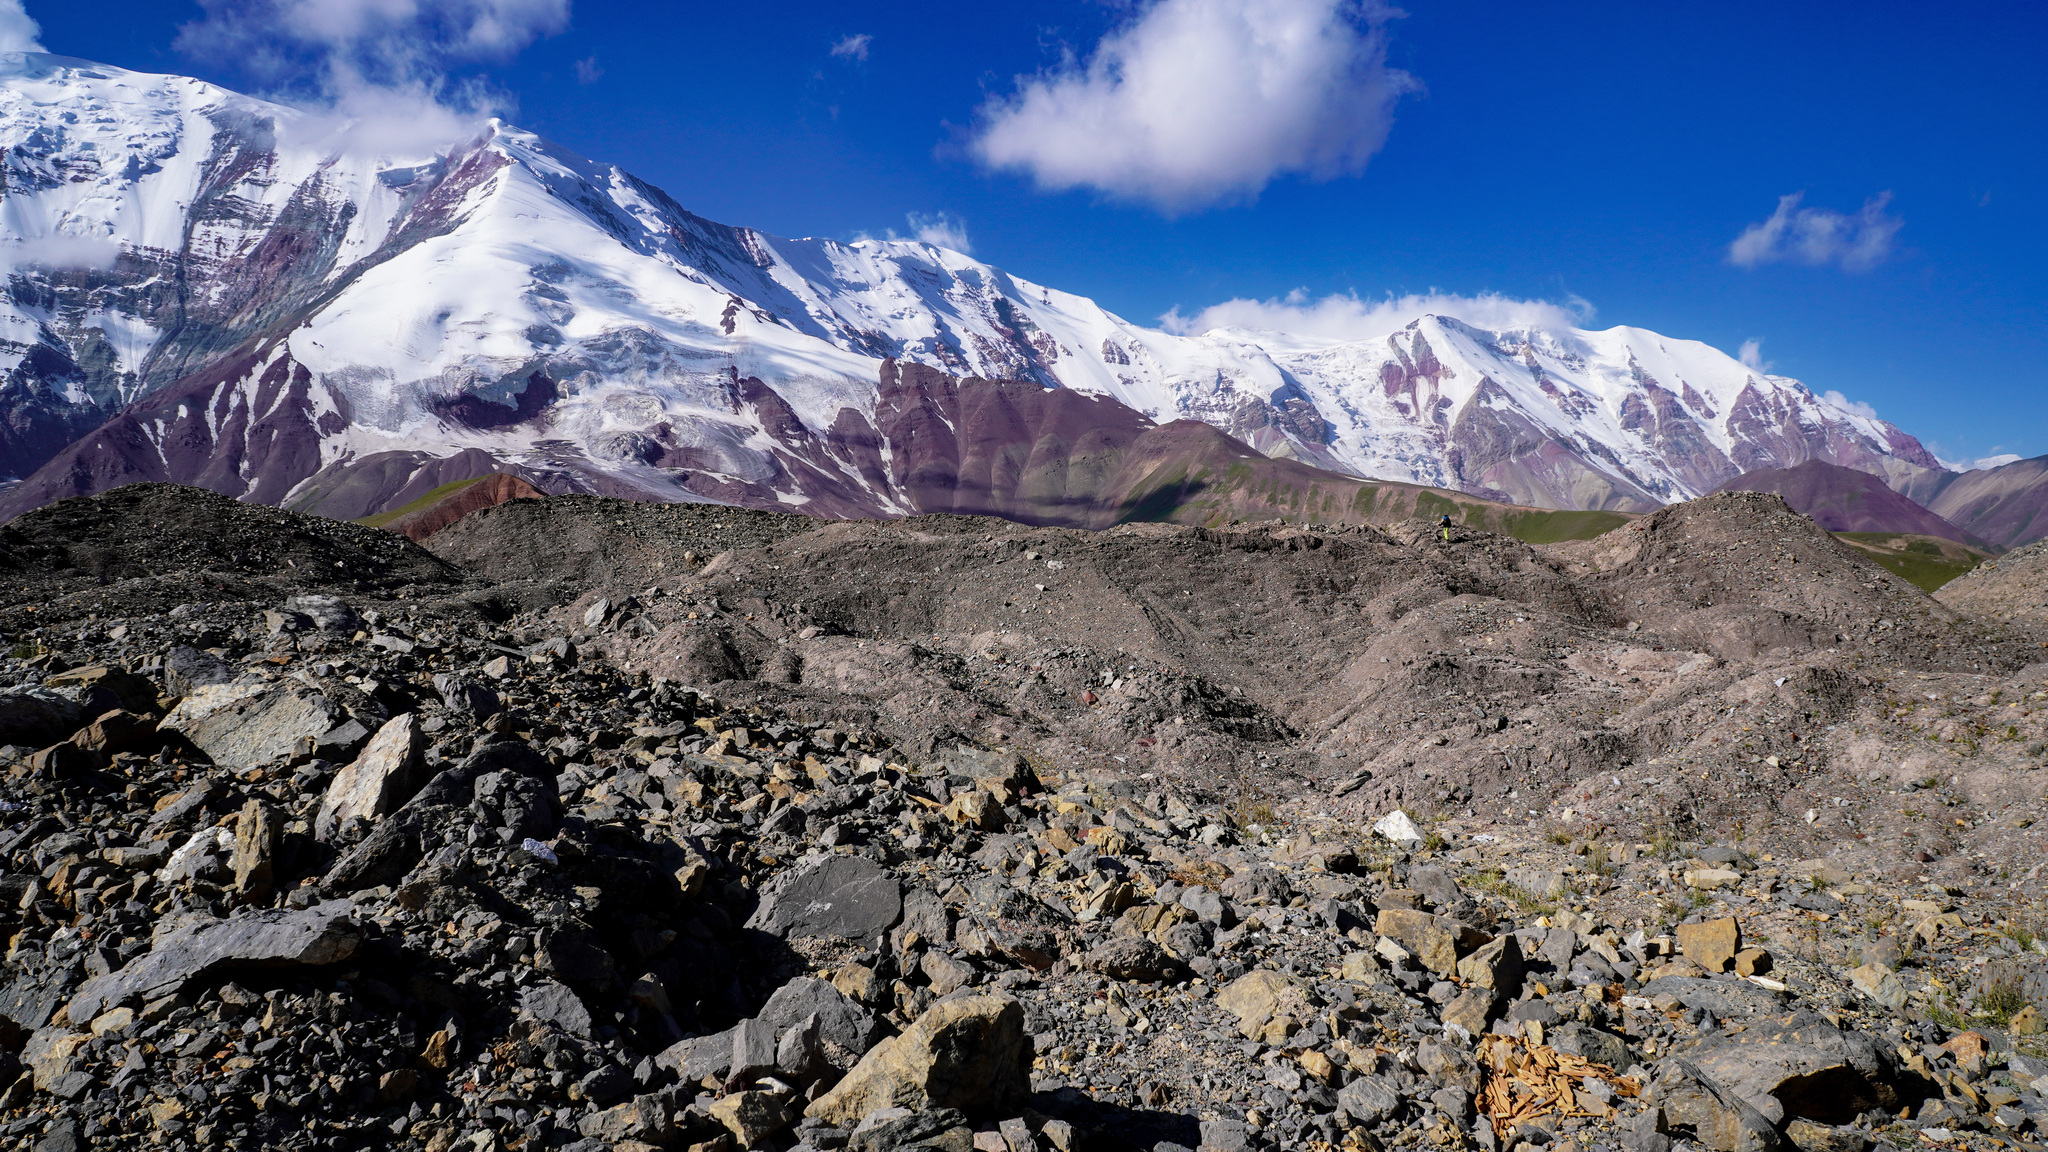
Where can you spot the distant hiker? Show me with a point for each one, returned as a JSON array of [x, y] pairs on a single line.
[[1445, 524]]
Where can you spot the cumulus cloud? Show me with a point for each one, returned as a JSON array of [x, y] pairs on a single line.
[[1191, 103], [18, 31], [1853, 407], [941, 228], [377, 70], [1350, 317], [853, 47], [1752, 356], [1856, 243]]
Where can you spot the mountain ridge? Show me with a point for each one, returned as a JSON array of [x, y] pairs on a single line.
[[508, 301]]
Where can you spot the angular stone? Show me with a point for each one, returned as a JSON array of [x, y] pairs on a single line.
[[947, 974], [1880, 984], [1711, 945], [1709, 879], [1434, 946], [259, 833], [969, 1053], [256, 729], [1397, 827], [1472, 1010], [262, 938], [1808, 1136], [1718, 1118], [555, 1004], [1257, 997], [850, 897], [1752, 962], [384, 776], [1804, 1068], [752, 1116], [1369, 1099], [1496, 966], [841, 1022]]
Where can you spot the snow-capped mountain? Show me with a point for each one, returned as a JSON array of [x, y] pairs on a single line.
[[212, 289]]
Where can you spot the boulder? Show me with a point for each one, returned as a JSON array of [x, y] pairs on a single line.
[[267, 725], [1431, 941], [1803, 1068], [1880, 984], [969, 1053], [264, 938], [850, 897], [259, 834], [37, 717], [1496, 966], [103, 688], [1712, 945], [1695, 1104], [1397, 827], [555, 1004], [1258, 996], [385, 776]]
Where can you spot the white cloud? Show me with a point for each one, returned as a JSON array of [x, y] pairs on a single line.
[[1817, 236], [941, 228], [1348, 317], [589, 71], [18, 31], [1191, 103], [376, 71], [854, 47], [1752, 356], [1853, 407]]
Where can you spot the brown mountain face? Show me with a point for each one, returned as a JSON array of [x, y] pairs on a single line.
[[1845, 500], [936, 443], [2007, 505]]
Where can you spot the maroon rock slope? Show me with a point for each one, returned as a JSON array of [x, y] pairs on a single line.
[[1845, 500], [937, 443], [2007, 505]]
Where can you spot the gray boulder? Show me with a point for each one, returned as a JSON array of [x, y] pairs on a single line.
[[850, 897], [266, 938], [256, 729]]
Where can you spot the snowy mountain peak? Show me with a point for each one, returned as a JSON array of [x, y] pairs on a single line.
[[286, 315]]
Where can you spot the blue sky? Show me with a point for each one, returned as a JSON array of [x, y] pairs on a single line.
[[1602, 152]]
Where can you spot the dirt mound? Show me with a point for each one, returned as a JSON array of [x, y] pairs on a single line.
[[2010, 592], [600, 541], [1743, 576], [1713, 666], [150, 531]]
